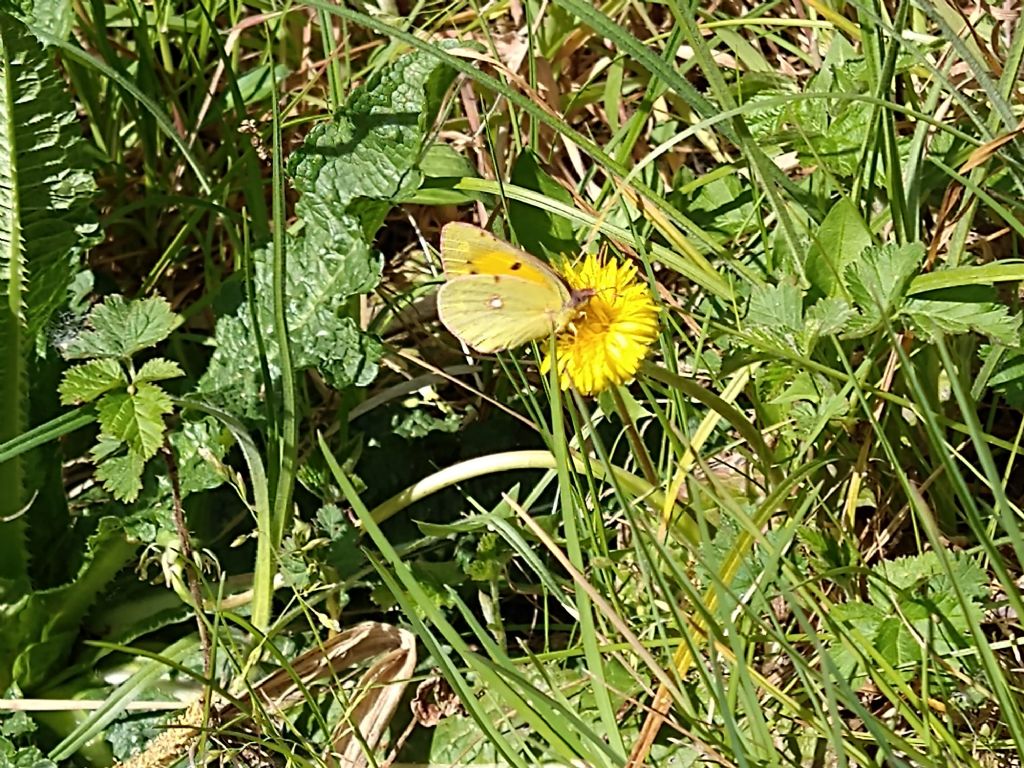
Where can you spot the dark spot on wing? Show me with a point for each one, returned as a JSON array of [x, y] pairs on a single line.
[[497, 278], [473, 272], [517, 265]]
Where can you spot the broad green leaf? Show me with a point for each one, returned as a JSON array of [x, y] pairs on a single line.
[[137, 418], [158, 369], [720, 201], [120, 328], [538, 231], [918, 590], [911, 598], [255, 85], [441, 161], [840, 239], [867, 620], [84, 383]]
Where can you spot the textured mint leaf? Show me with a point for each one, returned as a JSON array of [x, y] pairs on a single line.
[[877, 283], [371, 148], [233, 380], [199, 449], [54, 17], [122, 476], [84, 383], [349, 172], [136, 419], [17, 724], [343, 354], [158, 369], [120, 328], [932, 318], [26, 757]]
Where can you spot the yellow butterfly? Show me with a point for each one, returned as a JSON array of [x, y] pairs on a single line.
[[496, 296]]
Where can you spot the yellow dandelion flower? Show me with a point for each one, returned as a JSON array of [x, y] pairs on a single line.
[[610, 336]]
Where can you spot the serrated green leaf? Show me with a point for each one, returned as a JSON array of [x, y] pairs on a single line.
[[777, 309], [840, 239], [105, 446], [122, 476], [866, 620], [825, 317], [934, 318], [45, 219], [84, 383], [45, 226], [913, 599], [158, 369], [136, 418], [877, 283], [120, 328]]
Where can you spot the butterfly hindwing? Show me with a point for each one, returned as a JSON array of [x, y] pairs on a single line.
[[494, 312]]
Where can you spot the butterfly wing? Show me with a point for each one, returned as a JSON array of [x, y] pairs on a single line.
[[469, 250], [495, 312]]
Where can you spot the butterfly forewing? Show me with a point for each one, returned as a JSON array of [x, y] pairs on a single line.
[[492, 312], [469, 250]]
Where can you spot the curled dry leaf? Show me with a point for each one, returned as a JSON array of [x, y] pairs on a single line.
[[373, 700], [434, 701]]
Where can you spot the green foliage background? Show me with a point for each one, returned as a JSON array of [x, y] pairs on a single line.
[[232, 429]]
